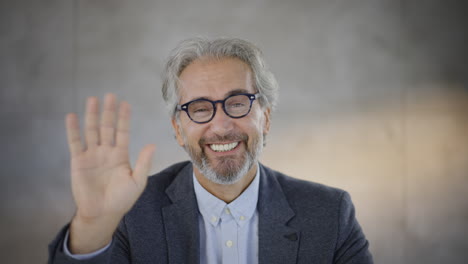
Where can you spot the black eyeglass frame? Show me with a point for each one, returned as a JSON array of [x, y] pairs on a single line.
[[184, 107]]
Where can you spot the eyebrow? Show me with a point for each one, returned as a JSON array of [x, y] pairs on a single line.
[[235, 91], [232, 92]]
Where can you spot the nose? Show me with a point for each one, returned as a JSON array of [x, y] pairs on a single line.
[[221, 123]]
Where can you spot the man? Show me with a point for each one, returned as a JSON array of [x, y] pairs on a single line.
[[223, 206]]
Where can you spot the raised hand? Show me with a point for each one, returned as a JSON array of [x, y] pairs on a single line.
[[103, 183]]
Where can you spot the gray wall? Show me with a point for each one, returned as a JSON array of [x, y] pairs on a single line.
[[374, 99]]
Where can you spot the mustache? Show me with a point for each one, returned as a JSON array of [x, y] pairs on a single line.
[[228, 137]]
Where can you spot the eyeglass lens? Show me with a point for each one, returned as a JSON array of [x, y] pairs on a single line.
[[235, 106]]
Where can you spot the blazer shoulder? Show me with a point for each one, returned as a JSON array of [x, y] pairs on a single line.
[[307, 193]]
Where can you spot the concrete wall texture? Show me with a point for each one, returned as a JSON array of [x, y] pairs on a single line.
[[374, 100]]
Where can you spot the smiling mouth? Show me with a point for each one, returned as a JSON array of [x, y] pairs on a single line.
[[223, 147]]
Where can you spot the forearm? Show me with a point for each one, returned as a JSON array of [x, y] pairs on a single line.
[[57, 254], [82, 256]]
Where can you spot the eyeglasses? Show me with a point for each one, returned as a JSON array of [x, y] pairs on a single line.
[[203, 110]]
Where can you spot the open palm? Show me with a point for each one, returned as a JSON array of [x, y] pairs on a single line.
[[103, 182]]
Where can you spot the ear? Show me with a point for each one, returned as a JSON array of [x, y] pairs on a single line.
[[178, 135], [266, 121]]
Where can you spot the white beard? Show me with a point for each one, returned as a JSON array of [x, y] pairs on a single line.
[[233, 173]]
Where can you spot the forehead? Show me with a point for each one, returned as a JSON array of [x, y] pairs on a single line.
[[214, 78]]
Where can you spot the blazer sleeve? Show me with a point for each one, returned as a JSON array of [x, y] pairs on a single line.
[[117, 253], [352, 246]]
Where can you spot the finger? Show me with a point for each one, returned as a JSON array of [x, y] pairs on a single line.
[[123, 125], [73, 135], [107, 128], [91, 122], [143, 164]]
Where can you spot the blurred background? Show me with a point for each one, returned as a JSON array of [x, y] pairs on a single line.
[[373, 99]]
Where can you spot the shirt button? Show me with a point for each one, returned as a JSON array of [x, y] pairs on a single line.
[[213, 219], [229, 243], [242, 218], [227, 211]]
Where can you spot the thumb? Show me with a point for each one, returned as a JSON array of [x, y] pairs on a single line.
[[143, 164]]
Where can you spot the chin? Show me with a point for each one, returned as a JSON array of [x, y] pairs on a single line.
[[231, 172]]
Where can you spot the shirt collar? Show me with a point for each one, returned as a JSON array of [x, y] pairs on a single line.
[[242, 208]]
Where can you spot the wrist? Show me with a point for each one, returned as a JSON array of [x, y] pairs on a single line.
[[88, 235]]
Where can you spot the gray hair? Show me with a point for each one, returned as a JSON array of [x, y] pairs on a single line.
[[192, 49]]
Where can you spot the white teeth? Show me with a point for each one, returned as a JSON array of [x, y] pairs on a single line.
[[223, 147]]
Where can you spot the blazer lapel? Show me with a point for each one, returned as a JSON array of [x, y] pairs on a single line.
[[181, 220], [278, 243]]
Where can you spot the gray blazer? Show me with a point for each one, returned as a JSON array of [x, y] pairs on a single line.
[[299, 222]]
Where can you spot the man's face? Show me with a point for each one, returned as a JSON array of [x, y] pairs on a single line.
[[215, 79]]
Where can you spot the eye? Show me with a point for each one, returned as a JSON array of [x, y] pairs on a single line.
[[201, 110], [238, 101], [237, 104]]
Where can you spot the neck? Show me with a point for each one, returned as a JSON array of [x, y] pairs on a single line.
[[227, 193]]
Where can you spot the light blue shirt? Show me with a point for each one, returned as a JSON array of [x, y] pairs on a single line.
[[228, 232]]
